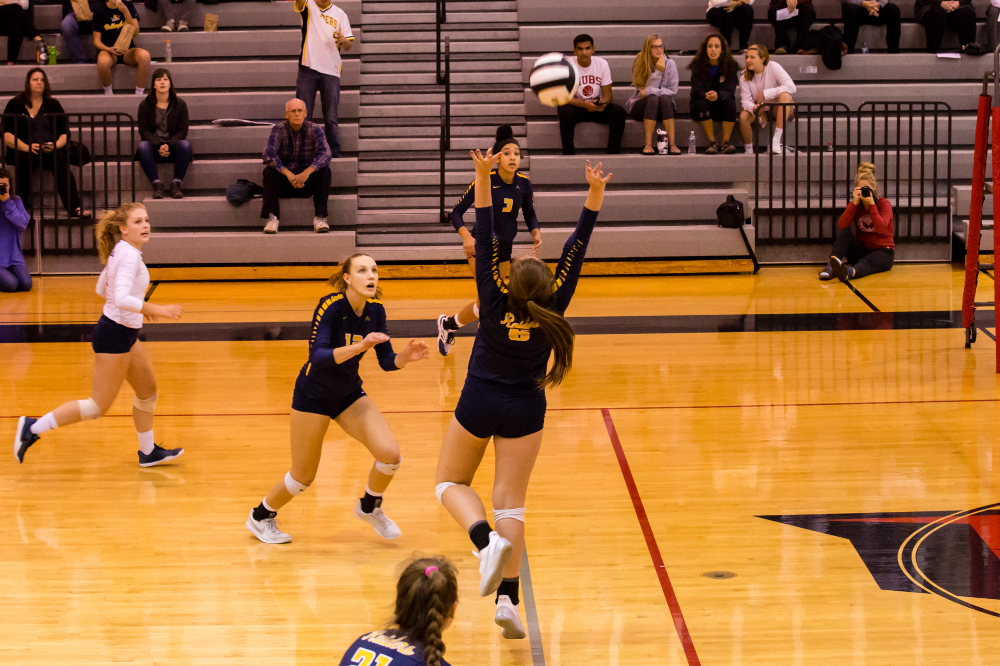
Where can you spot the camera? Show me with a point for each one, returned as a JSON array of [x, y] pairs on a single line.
[[866, 192], [3, 189]]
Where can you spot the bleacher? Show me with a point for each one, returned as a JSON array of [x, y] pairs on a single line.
[[385, 188]]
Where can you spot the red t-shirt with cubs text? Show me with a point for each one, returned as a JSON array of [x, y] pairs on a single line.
[[873, 224], [591, 79]]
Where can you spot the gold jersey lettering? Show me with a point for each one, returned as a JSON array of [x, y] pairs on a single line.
[[518, 331]]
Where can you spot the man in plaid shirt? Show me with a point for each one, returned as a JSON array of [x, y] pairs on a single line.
[[298, 165]]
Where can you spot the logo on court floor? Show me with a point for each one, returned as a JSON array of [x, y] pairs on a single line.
[[953, 554]]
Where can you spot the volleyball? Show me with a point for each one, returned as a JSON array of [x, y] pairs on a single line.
[[553, 79]]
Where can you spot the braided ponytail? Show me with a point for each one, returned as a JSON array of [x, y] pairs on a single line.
[[425, 595]]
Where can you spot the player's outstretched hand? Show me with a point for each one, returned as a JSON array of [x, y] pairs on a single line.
[[484, 164], [596, 178], [374, 338], [416, 350]]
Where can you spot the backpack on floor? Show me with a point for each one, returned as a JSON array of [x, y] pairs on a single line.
[[730, 213], [242, 191]]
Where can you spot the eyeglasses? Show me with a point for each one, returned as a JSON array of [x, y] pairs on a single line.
[[657, 46]]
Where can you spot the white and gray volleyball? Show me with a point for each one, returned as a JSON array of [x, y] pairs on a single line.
[[553, 79]]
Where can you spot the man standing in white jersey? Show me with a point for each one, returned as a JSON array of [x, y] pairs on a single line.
[[326, 32], [592, 101]]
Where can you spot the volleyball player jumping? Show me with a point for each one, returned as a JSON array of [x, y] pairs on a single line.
[[346, 324], [511, 191], [504, 394], [118, 353]]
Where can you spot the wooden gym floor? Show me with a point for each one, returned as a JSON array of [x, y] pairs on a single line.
[[771, 426]]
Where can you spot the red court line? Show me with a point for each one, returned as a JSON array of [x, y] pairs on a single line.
[[622, 408], [654, 551]]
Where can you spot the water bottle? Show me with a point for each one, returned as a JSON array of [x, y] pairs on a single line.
[[169, 57], [692, 144], [52, 55], [41, 52], [864, 47]]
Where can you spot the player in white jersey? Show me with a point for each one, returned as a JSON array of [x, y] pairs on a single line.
[[118, 353], [326, 31]]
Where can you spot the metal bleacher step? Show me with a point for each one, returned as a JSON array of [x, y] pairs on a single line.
[[375, 20], [192, 212], [398, 65], [434, 110], [385, 100]]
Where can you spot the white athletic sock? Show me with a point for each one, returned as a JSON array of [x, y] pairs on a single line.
[[776, 142], [264, 502], [457, 322], [108, 90], [140, 91], [44, 424], [145, 442], [748, 149]]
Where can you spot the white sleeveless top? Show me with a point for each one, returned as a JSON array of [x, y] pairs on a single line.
[[123, 285], [319, 48]]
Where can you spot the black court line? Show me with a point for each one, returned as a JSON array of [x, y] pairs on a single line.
[[990, 335], [987, 273], [152, 288], [862, 297], [530, 612], [750, 323]]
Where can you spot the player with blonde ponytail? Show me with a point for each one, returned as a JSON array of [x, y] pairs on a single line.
[[119, 355], [521, 324], [426, 601], [864, 244]]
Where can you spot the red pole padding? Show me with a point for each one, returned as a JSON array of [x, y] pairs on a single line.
[[974, 235], [996, 214]]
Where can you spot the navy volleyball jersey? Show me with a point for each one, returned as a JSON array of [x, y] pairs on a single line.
[[335, 324], [382, 648], [507, 200], [508, 348]]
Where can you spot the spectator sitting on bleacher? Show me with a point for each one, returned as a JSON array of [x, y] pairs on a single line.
[[724, 15], [857, 13], [14, 275], [168, 15], [714, 76], [865, 236], [163, 127], [72, 27], [803, 14], [109, 21], [655, 78], [298, 165], [762, 83], [592, 102], [39, 141], [327, 33], [957, 15], [16, 22]]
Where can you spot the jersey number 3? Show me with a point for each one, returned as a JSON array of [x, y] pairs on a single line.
[[508, 205], [363, 657], [352, 339]]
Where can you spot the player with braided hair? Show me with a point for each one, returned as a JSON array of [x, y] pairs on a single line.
[[426, 601]]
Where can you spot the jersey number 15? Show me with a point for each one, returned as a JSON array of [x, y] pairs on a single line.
[[352, 339]]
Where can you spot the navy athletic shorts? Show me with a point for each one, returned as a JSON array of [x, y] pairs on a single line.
[[310, 397], [488, 409], [110, 337]]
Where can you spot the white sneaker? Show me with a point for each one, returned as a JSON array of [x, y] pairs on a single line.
[[168, 26], [183, 27], [492, 560], [267, 530], [508, 618], [272, 225], [384, 527], [320, 225], [446, 338]]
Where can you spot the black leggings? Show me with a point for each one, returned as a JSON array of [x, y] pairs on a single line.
[[865, 261], [16, 23], [26, 164]]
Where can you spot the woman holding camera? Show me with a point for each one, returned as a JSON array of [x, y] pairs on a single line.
[[14, 275], [39, 141], [865, 236]]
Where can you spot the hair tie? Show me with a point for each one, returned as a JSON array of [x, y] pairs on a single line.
[[429, 570]]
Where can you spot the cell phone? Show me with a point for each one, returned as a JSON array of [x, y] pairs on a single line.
[[866, 192]]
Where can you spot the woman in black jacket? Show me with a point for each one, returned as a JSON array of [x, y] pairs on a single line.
[[39, 140], [713, 91], [163, 127]]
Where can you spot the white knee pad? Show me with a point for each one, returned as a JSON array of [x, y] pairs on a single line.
[[441, 487], [88, 409], [388, 468], [147, 405], [293, 486], [475, 310], [514, 514]]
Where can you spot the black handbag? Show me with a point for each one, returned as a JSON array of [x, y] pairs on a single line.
[[730, 214], [79, 154]]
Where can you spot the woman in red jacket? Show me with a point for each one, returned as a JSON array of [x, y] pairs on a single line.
[[864, 239]]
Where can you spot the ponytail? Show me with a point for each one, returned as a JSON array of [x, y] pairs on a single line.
[[338, 281], [107, 230], [530, 287], [559, 333], [425, 595]]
